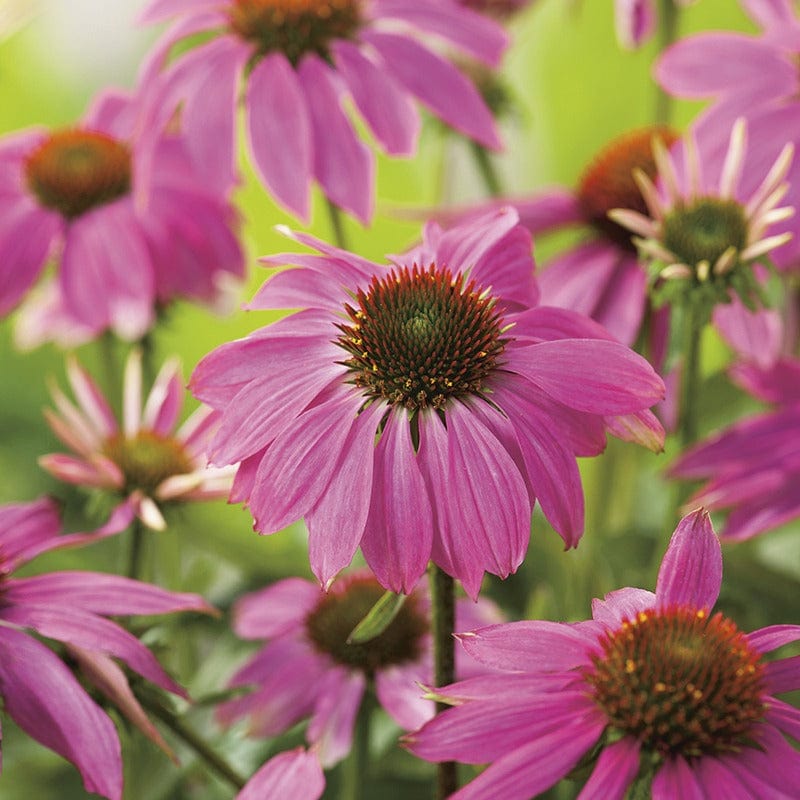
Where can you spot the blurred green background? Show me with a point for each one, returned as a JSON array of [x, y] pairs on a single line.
[[573, 88]]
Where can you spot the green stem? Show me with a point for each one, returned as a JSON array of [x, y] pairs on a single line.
[[147, 344], [108, 360], [443, 604], [137, 549], [693, 324], [491, 180], [335, 214], [668, 30], [356, 766], [200, 746]]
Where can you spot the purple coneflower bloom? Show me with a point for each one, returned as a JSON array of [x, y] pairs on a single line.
[[480, 401], [295, 773], [751, 77], [84, 195], [145, 460], [307, 670], [299, 60], [753, 467], [39, 692], [656, 682], [703, 237]]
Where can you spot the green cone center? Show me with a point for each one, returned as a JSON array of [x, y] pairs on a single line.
[[704, 229], [420, 337], [74, 171], [339, 611], [147, 459], [681, 681]]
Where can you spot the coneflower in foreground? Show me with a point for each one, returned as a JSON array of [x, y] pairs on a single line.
[[479, 400], [656, 689]]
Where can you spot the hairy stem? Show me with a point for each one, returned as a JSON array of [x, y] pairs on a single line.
[[491, 180], [335, 214], [668, 30]]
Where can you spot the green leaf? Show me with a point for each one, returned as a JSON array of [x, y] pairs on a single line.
[[378, 619]]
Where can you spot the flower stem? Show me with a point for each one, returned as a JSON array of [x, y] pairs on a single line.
[[137, 548], [200, 746], [491, 180], [693, 324], [335, 214], [356, 766], [443, 604], [668, 29]]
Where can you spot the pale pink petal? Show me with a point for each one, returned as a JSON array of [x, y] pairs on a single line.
[[27, 526], [158, 10], [279, 132], [331, 727], [675, 778], [437, 84], [91, 399], [480, 499], [635, 21], [165, 399], [780, 385], [399, 530], [550, 210], [533, 645], [80, 471], [387, 109], [621, 605], [296, 773], [614, 772], [754, 335], [336, 522], [691, 570], [275, 610], [399, 692], [51, 706], [771, 13], [112, 112], [343, 164]]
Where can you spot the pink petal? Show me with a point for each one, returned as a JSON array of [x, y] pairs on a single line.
[[635, 21], [279, 132], [614, 772], [51, 706], [331, 727], [343, 165], [480, 498], [336, 522], [91, 399], [765, 640], [28, 525], [399, 530], [275, 610], [691, 570], [437, 84], [532, 645], [398, 690], [387, 109], [621, 605], [641, 427], [784, 717], [549, 210], [600, 377], [771, 13], [783, 675], [79, 471], [756, 336], [164, 402], [296, 773], [675, 778], [158, 10], [781, 384]]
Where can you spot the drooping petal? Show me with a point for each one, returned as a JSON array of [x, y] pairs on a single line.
[[52, 707], [398, 690], [614, 772], [755, 336], [296, 773], [675, 778], [275, 610], [691, 570], [783, 675], [164, 401], [765, 640], [399, 530], [279, 131]]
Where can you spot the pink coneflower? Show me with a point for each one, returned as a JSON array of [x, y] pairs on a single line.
[[752, 468], [480, 401], [702, 238], [145, 461], [299, 60], [296, 773], [39, 692], [307, 670], [127, 236], [655, 687], [748, 76]]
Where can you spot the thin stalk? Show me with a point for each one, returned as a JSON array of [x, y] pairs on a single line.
[[356, 766], [335, 214], [443, 604], [200, 746], [108, 360], [668, 30], [148, 346], [693, 324], [137, 549], [491, 180]]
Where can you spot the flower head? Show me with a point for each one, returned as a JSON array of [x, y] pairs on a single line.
[[417, 409], [298, 59], [145, 462], [80, 196], [39, 691], [308, 670], [752, 468], [656, 688]]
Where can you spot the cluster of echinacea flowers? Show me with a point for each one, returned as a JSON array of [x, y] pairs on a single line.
[[480, 401], [39, 691], [309, 669], [655, 691], [144, 461], [752, 468], [128, 233], [297, 60]]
